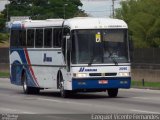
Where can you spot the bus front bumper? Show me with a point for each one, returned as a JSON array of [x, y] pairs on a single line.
[[97, 84]]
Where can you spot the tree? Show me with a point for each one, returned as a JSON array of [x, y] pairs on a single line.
[[143, 19], [43, 9], [2, 22]]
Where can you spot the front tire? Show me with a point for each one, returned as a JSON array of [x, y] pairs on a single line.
[[64, 93], [112, 93]]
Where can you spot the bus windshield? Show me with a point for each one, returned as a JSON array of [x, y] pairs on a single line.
[[99, 46]]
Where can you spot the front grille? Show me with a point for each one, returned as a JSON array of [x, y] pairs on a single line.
[[102, 74], [95, 74], [110, 74]]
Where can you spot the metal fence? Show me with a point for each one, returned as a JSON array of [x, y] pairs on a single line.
[[4, 55], [4, 59], [146, 64], [146, 58]]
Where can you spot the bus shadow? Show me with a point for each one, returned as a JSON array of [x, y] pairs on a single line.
[[79, 95]]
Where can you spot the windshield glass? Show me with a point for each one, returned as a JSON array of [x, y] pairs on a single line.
[[99, 46]]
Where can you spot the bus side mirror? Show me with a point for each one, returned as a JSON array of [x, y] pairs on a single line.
[[69, 44], [68, 55]]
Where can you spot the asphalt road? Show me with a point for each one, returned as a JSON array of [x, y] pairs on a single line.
[[48, 104]]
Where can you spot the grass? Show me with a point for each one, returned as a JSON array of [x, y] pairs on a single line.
[[146, 84], [4, 74]]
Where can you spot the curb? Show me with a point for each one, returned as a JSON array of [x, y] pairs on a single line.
[[151, 88]]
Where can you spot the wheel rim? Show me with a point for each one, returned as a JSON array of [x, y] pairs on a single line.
[[25, 86]]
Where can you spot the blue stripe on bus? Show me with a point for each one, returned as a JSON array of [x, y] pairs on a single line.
[[16, 70], [16, 74], [88, 83]]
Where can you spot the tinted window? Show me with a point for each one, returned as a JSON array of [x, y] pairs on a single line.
[[99, 46], [57, 35], [30, 38], [39, 38], [48, 37], [22, 37], [14, 38]]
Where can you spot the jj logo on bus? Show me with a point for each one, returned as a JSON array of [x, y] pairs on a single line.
[[82, 69]]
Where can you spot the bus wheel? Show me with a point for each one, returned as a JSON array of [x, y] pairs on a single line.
[[34, 90], [64, 93], [24, 84], [112, 93], [26, 88]]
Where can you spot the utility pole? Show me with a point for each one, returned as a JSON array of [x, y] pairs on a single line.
[[113, 8], [7, 11], [64, 10]]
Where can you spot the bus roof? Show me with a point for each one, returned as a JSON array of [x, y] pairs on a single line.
[[73, 23], [94, 23], [36, 23]]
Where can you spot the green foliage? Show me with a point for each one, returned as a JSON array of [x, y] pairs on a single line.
[[4, 37], [2, 22], [143, 19], [43, 9]]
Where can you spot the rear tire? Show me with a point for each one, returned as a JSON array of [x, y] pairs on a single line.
[[112, 93], [26, 88], [35, 90]]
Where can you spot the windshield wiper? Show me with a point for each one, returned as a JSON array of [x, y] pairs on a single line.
[[113, 58], [91, 60]]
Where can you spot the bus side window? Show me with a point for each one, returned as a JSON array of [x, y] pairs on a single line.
[[22, 38], [57, 35], [39, 38], [30, 38], [48, 37], [14, 41]]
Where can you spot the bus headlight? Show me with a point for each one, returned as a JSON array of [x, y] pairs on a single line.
[[79, 74], [124, 74]]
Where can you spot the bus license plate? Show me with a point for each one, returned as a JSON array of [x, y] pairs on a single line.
[[103, 81]]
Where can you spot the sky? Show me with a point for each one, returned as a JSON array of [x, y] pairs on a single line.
[[95, 8], [99, 8], [2, 3]]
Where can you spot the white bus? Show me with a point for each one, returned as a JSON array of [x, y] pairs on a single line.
[[73, 55]]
